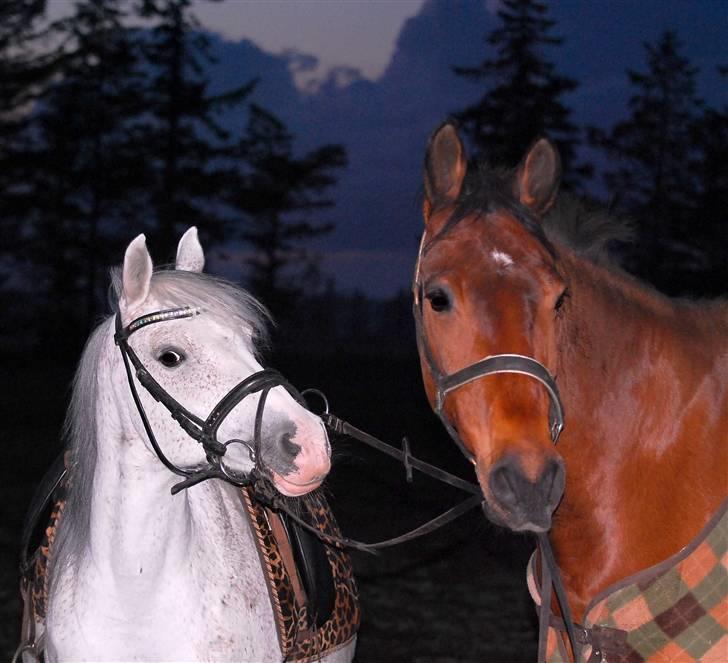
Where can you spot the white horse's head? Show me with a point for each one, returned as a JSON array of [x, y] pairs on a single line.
[[197, 360]]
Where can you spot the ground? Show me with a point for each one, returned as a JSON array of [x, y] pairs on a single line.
[[455, 595]]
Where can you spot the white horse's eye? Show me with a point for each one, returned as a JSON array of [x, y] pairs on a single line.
[[171, 358]]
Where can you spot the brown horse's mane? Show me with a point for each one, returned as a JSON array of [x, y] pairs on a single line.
[[587, 229], [595, 235], [582, 226]]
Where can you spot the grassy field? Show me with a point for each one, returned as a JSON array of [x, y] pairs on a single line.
[[456, 595]]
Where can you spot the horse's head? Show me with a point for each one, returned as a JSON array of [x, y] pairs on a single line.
[[199, 359], [487, 284]]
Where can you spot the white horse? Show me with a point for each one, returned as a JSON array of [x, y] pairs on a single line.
[[135, 572]]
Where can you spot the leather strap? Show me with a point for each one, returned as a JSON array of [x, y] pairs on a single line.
[[552, 577], [264, 493], [284, 548], [203, 431], [509, 363], [28, 643], [338, 425]]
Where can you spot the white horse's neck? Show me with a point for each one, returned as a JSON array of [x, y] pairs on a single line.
[[138, 528], [162, 576]]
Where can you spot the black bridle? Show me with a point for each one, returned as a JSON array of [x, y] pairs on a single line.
[[204, 431]]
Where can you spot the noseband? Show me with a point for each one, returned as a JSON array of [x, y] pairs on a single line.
[[204, 431], [492, 364]]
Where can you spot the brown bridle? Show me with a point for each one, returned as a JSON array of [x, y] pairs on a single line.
[[205, 431], [493, 364]]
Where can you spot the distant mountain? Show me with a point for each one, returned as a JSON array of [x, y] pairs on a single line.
[[385, 124]]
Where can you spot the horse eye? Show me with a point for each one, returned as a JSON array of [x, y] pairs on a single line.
[[439, 300], [171, 358], [562, 298]]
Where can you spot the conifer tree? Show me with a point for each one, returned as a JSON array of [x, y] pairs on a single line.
[[653, 163], [523, 96], [278, 194], [24, 68], [83, 165], [709, 228], [23, 65], [189, 150]]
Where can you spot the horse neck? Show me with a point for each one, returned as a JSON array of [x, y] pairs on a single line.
[[135, 521], [631, 363], [180, 573]]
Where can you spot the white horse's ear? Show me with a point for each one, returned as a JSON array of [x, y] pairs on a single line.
[[190, 256], [136, 275]]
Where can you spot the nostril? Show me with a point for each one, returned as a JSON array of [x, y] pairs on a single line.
[[503, 483], [287, 446]]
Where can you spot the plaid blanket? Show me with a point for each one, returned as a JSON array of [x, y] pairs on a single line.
[[674, 611]]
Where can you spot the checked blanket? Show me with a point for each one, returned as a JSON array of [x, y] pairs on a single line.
[[674, 611]]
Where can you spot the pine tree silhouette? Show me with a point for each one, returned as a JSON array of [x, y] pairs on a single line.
[[188, 149], [523, 99], [81, 165], [24, 69], [277, 195], [654, 164]]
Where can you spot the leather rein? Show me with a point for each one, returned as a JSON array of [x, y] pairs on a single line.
[[205, 432]]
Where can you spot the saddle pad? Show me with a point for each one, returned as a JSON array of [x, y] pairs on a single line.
[[299, 636]]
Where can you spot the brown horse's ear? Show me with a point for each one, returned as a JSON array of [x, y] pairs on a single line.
[[538, 177], [445, 168]]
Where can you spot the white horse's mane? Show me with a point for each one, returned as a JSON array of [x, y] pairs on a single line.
[[219, 300]]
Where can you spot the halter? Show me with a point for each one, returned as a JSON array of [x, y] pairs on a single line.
[[203, 431], [500, 363], [492, 364]]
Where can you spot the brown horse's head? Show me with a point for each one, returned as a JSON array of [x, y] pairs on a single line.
[[487, 283]]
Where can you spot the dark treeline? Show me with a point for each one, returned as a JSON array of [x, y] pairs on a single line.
[[667, 169], [108, 128]]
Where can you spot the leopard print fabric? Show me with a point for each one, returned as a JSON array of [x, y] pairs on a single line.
[[35, 577], [297, 640]]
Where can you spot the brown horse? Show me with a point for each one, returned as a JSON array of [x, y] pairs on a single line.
[[642, 463]]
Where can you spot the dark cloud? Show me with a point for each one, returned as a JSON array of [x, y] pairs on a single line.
[[384, 124]]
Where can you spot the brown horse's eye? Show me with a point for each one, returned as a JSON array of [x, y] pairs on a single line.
[[562, 298], [171, 358], [439, 300]]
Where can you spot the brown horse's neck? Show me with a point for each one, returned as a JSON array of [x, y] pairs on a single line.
[[644, 381]]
